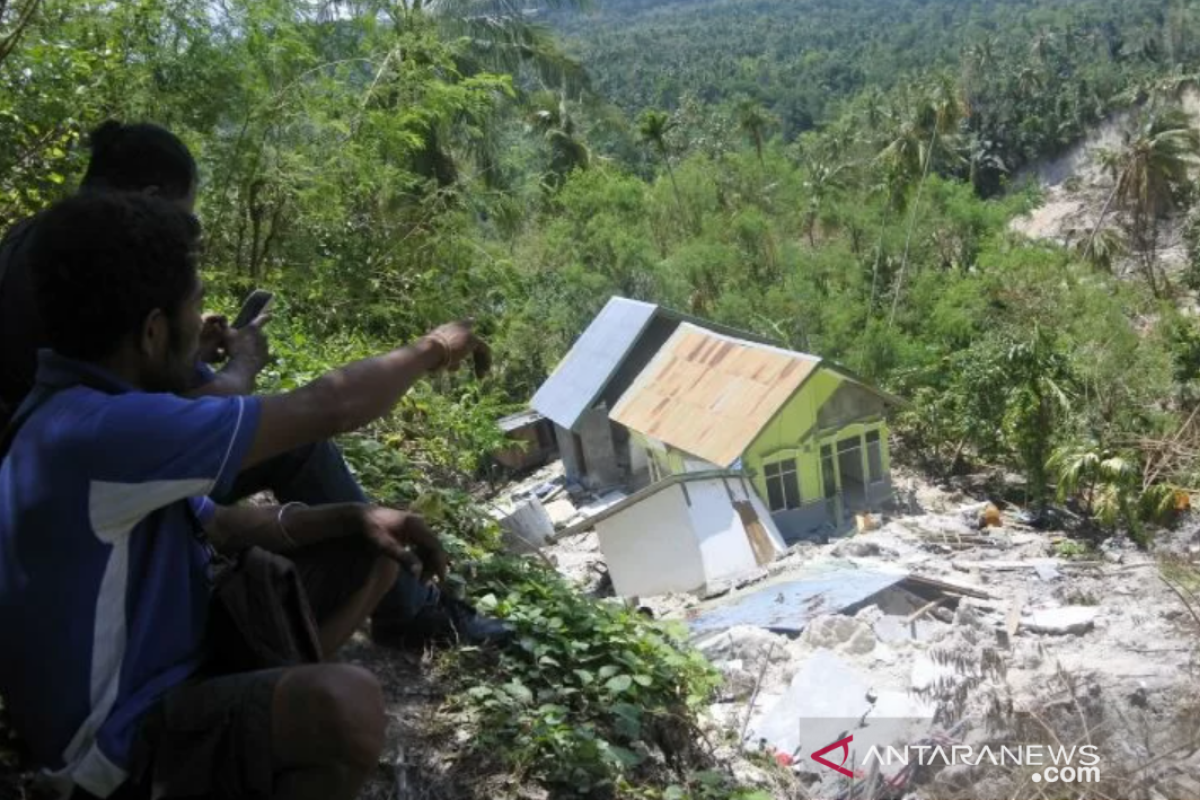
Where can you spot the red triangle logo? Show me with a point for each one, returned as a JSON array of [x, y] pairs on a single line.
[[844, 745]]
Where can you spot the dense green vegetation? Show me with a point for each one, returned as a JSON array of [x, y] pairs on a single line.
[[1033, 74], [826, 174]]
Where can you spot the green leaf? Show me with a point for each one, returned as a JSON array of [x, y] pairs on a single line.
[[643, 680], [585, 677], [608, 670], [626, 757], [519, 692], [619, 684]]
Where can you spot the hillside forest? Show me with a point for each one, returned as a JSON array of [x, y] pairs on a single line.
[[839, 177]]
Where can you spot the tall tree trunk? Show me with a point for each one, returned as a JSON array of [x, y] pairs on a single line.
[[674, 185], [879, 250], [24, 17], [1100, 220], [912, 220], [1149, 253]]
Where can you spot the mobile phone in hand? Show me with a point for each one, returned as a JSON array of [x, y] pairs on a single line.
[[256, 303]]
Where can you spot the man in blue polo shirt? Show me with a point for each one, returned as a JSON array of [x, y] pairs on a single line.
[[106, 527], [146, 158]]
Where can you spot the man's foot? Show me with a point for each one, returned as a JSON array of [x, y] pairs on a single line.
[[444, 621]]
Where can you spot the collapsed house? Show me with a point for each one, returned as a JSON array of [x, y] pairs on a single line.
[[810, 437], [586, 384], [735, 448]]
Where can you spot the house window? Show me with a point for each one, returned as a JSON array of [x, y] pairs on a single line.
[[783, 485], [874, 457]]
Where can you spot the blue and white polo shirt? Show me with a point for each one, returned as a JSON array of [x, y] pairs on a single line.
[[103, 584]]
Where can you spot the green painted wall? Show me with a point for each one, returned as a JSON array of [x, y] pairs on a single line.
[[793, 432]]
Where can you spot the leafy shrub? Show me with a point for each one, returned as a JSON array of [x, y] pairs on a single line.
[[590, 693]]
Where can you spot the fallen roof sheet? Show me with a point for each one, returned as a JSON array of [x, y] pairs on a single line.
[[711, 395], [605, 510], [519, 420], [788, 607], [585, 370]]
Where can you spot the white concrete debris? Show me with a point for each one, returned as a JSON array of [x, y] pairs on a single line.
[[561, 512], [1061, 621], [525, 523], [839, 633], [1098, 636], [828, 699]]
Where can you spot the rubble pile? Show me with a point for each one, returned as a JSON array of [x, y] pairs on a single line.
[[987, 633]]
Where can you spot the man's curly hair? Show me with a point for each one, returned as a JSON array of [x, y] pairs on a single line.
[[101, 262]]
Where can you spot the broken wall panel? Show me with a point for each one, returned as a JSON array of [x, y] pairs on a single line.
[[687, 536], [788, 607]]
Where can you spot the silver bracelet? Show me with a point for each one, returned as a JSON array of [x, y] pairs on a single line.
[[282, 528]]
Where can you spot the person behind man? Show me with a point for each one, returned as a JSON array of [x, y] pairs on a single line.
[[149, 159], [104, 575]]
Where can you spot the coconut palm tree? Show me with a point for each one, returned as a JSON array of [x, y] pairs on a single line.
[[1029, 81], [754, 120], [1042, 45], [1103, 250], [901, 161], [503, 35], [567, 153], [977, 59], [653, 127], [823, 178], [1149, 168], [940, 115], [873, 110]]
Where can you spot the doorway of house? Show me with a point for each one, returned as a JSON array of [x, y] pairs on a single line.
[[854, 481], [829, 485]]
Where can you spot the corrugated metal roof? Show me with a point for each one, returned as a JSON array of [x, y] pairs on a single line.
[[710, 395], [582, 374], [789, 607], [518, 420]]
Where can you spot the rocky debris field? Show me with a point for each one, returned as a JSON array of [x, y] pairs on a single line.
[[990, 635]]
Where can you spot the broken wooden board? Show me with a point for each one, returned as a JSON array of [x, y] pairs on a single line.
[[950, 588]]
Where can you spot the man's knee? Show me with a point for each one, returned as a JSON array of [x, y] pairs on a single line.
[[342, 710]]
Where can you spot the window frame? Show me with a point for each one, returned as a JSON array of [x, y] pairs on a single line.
[[789, 493]]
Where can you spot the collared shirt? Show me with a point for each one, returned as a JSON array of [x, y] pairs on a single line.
[[104, 586]]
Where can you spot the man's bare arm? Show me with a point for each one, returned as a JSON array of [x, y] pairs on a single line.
[[348, 398], [235, 528], [248, 353], [397, 534]]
